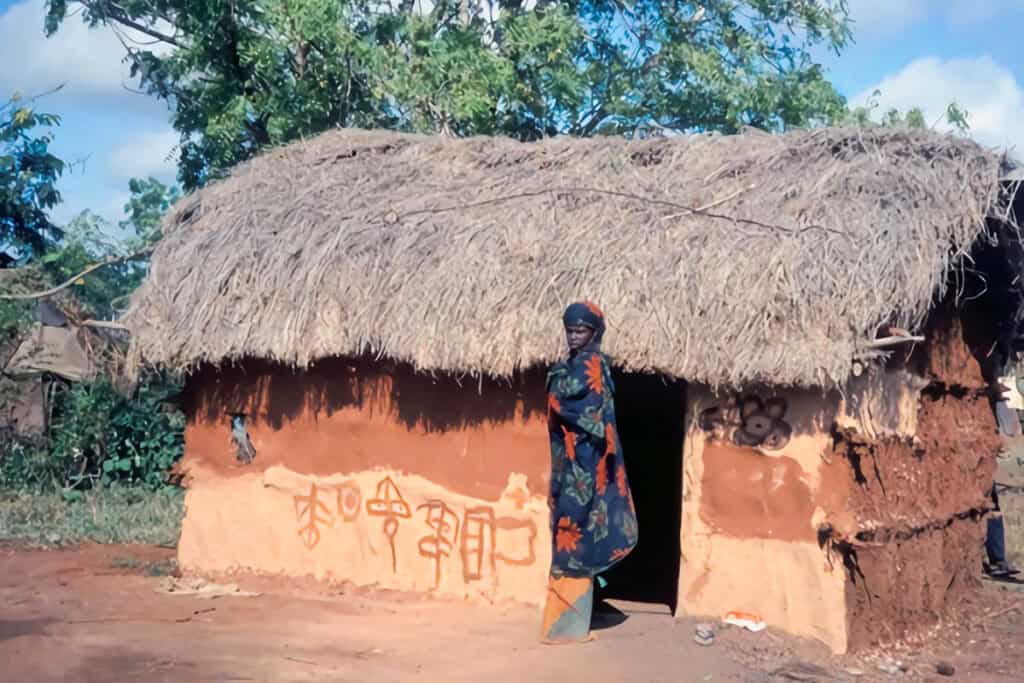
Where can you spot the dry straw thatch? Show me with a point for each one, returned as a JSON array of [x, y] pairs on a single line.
[[459, 255]]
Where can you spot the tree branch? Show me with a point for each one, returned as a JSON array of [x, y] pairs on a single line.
[[595, 118], [105, 325], [64, 285], [122, 18]]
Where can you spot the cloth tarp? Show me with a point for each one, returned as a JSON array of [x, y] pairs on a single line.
[[51, 349]]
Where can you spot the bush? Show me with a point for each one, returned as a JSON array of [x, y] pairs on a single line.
[[14, 317], [26, 466], [101, 436]]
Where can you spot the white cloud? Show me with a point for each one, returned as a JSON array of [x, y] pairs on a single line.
[[150, 154], [887, 18], [88, 60], [962, 12], [988, 91], [113, 212], [874, 17]]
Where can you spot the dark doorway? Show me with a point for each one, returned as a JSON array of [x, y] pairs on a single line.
[[650, 411]]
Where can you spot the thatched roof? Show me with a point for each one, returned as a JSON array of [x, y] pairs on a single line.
[[721, 259]]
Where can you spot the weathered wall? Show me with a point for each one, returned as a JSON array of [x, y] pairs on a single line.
[[922, 488], [850, 517], [371, 474], [755, 490]]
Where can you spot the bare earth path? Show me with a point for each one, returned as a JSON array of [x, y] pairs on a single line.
[[92, 614]]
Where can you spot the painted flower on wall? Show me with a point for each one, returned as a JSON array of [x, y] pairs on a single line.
[[749, 421]]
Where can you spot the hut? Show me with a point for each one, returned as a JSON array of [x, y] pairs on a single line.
[[801, 326]]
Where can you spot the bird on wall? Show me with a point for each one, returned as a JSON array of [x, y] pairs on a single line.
[[240, 440]]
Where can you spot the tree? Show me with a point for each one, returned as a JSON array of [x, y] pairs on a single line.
[[28, 178], [150, 199], [244, 74], [87, 240]]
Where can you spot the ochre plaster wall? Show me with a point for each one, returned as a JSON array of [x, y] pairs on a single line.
[[370, 474], [378, 475], [852, 517], [750, 516]]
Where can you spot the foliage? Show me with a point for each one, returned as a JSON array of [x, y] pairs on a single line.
[[28, 178], [87, 241], [97, 436], [243, 75], [15, 315], [958, 117], [102, 437], [117, 514], [150, 199], [954, 116]]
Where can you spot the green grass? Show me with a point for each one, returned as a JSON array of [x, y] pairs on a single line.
[[125, 563], [166, 568], [114, 515]]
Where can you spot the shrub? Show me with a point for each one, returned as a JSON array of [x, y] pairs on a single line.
[[99, 436]]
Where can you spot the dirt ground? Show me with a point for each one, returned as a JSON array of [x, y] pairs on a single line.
[[92, 614]]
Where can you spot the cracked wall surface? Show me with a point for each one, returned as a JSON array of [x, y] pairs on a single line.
[[864, 523]]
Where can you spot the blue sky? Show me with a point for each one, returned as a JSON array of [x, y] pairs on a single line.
[[917, 52]]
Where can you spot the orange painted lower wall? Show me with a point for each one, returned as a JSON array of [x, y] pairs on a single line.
[[377, 527], [370, 474], [376, 475], [755, 490]]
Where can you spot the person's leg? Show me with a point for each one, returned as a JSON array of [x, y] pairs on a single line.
[[995, 543]]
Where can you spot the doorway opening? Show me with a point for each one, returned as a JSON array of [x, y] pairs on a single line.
[[650, 411]]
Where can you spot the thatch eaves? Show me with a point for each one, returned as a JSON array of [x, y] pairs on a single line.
[[720, 259]]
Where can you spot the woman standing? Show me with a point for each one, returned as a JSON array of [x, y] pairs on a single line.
[[593, 521]]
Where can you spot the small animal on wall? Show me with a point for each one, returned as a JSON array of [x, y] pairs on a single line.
[[749, 421], [245, 452]]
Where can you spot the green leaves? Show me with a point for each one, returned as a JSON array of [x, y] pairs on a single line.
[[28, 180], [242, 76], [150, 199], [101, 437], [98, 437], [954, 116]]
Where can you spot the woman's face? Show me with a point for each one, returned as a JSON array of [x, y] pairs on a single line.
[[578, 336]]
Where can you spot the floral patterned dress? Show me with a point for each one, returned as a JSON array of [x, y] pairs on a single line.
[[593, 520]]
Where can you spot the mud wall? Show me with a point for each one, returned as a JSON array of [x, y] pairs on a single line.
[[373, 474], [914, 546], [755, 490], [852, 517]]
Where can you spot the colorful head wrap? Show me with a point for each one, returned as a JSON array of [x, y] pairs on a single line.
[[585, 314]]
